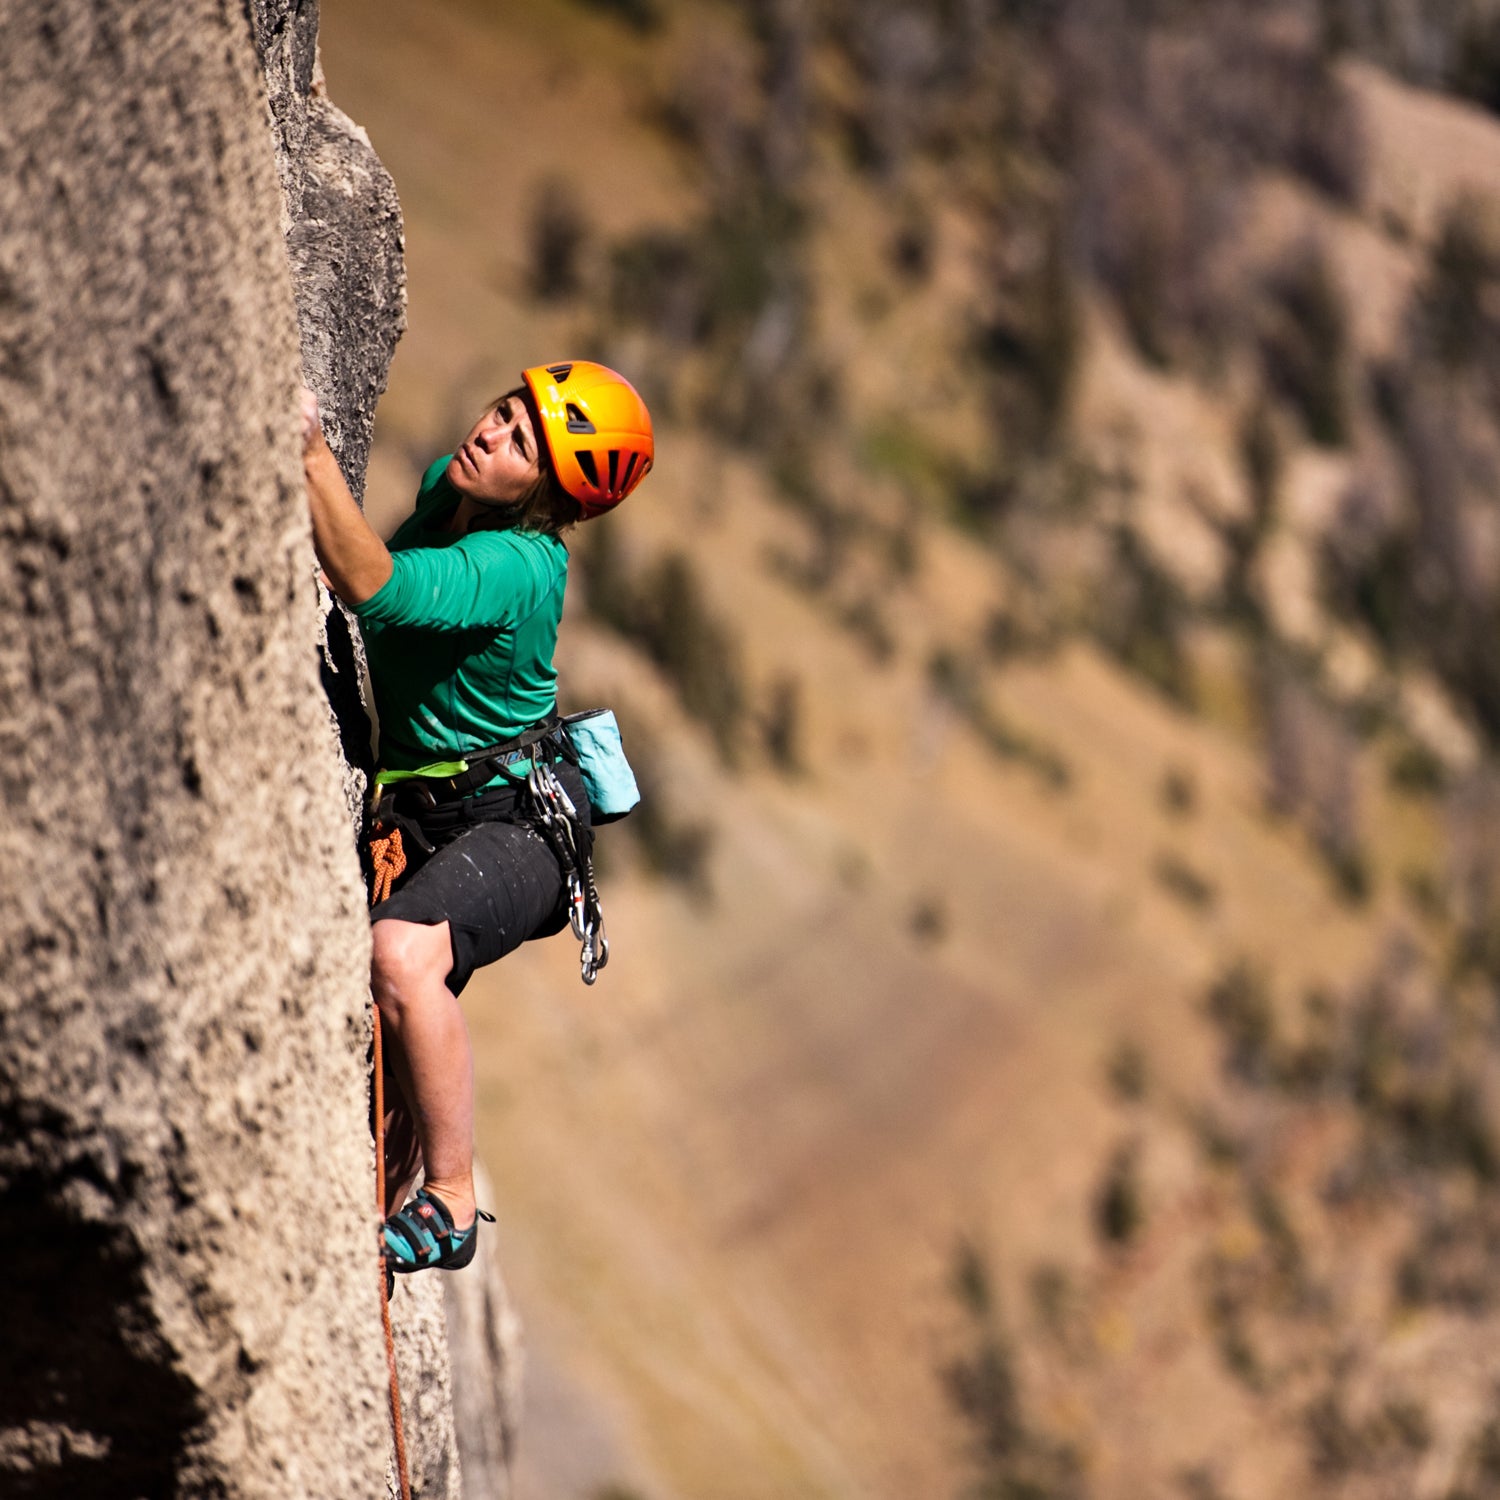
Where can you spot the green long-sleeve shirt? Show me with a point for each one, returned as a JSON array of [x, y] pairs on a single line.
[[461, 636]]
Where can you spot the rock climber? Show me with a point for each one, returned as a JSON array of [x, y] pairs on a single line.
[[460, 616]]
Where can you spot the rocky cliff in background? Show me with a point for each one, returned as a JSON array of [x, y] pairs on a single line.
[[185, 1175]]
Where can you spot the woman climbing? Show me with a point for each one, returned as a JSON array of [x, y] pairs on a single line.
[[480, 826]]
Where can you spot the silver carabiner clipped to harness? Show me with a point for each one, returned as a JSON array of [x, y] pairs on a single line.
[[576, 917], [595, 954], [557, 814]]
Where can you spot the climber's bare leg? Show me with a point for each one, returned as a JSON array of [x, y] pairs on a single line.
[[403, 1151], [428, 1040]]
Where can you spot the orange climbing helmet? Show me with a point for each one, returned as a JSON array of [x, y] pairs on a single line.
[[597, 430]]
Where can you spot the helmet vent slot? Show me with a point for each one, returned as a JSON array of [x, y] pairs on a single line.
[[559, 372], [577, 422], [634, 459], [589, 467], [614, 465]]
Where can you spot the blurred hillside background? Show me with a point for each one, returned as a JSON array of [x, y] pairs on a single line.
[[1052, 1044]]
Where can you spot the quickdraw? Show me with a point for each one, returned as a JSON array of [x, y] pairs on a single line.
[[556, 819]]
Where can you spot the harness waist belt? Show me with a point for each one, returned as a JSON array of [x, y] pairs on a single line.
[[471, 769]]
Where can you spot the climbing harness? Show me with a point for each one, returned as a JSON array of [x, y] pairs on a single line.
[[401, 798]]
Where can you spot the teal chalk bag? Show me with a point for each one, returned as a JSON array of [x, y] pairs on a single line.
[[606, 773]]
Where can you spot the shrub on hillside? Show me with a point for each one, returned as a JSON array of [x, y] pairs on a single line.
[[1140, 617], [1473, 873], [1178, 791], [656, 280], [1239, 1005], [608, 586], [663, 610], [1449, 45], [1262, 456], [782, 724], [558, 233], [1416, 770], [673, 844], [1452, 310], [1119, 1210], [910, 249], [865, 618], [956, 678], [1366, 563], [1028, 341], [1446, 436], [695, 649], [640, 15], [1453, 321], [1012, 1455], [1180, 879], [1312, 773], [1127, 1071], [1242, 91], [1304, 343], [1134, 217]]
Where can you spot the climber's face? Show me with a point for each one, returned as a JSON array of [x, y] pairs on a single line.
[[497, 463]]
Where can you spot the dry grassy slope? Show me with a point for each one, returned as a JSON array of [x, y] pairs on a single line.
[[732, 1175]]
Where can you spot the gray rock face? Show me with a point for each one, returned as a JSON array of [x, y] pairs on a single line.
[[484, 1342], [342, 223], [457, 1337], [344, 242], [183, 940], [432, 1453], [186, 1184], [350, 280]]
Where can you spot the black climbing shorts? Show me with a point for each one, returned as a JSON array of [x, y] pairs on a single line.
[[496, 882]]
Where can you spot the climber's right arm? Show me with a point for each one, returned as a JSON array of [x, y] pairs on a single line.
[[353, 556]]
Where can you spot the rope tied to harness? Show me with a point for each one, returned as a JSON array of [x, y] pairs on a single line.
[[387, 860]]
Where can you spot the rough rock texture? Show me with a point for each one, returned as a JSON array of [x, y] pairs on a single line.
[[183, 940], [342, 223], [183, 943], [343, 233], [432, 1452], [484, 1339]]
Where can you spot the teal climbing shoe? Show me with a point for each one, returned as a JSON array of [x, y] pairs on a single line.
[[423, 1237]]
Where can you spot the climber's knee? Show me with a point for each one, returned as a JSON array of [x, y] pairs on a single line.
[[408, 959]]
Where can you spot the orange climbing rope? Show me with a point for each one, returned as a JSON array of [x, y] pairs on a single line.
[[402, 1471], [388, 859]]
